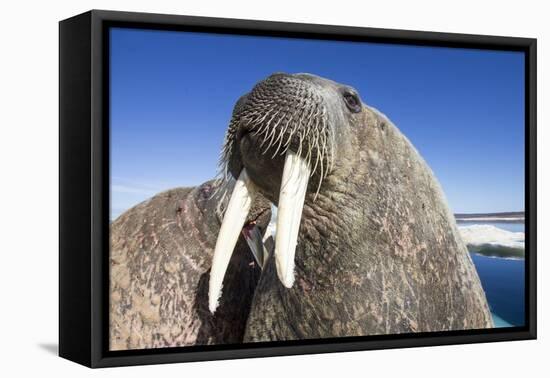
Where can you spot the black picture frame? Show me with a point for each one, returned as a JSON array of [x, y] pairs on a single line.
[[84, 187]]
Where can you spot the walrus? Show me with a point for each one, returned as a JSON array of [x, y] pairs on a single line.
[[161, 254], [365, 242]]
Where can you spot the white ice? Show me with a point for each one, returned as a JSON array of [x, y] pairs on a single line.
[[477, 235]]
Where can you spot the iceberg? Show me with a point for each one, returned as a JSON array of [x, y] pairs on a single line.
[[492, 241]]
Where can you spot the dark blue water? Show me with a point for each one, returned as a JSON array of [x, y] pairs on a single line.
[[503, 281]]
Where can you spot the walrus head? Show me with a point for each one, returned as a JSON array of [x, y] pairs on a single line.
[[283, 140]]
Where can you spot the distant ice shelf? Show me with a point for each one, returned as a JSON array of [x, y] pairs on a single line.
[[491, 219], [492, 241]]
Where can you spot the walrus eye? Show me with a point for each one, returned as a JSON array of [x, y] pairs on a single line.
[[352, 102]]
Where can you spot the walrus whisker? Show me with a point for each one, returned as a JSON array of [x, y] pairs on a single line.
[[315, 166], [280, 138], [219, 184], [289, 138], [271, 131], [220, 202], [309, 153], [308, 125], [264, 133], [273, 117], [297, 126], [259, 121], [320, 181], [271, 136], [300, 142], [258, 127], [315, 143], [266, 137]]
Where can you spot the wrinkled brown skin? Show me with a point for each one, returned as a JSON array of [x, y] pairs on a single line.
[[161, 253], [378, 251]]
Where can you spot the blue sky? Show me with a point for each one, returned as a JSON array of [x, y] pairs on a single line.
[[172, 94]]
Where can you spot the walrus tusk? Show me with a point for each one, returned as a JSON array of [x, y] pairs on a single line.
[[296, 174], [232, 224]]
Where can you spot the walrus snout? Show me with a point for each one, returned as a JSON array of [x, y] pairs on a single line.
[[281, 142], [264, 170], [282, 113]]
